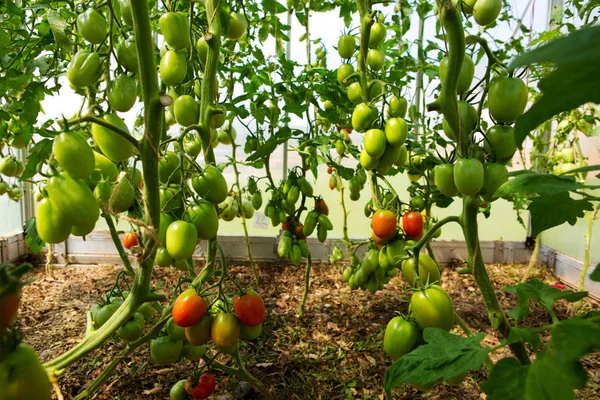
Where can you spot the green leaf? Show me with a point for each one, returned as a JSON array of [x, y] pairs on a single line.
[[529, 182], [573, 338], [595, 276], [546, 379], [540, 292], [270, 145], [34, 242], [574, 82], [39, 153], [60, 29], [444, 357], [525, 335], [549, 211]]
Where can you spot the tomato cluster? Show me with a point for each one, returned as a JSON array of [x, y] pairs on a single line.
[[11, 167]]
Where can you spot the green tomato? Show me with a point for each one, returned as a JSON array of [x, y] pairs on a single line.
[[211, 185], [567, 155], [193, 353], [202, 49], [165, 350], [397, 107], [346, 46], [123, 197], [133, 329], [375, 143], [127, 55], [204, 216], [218, 119], [178, 392], [507, 99], [163, 258], [101, 314], [72, 200], [363, 117], [50, 226], [170, 200], [126, 14], [227, 135], [175, 331], [22, 376], [344, 71], [388, 159], [468, 122], [250, 332], [432, 308], [429, 272], [378, 33], [74, 154], [237, 26], [122, 93], [494, 175], [168, 166], [375, 89], [173, 68], [192, 146], [113, 145], [186, 110], [9, 166], [181, 239], [467, 73], [396, 253], [355, 93], [468, 176], [175, 27], [84, 69], [500, 143], [467, 5], [400, 337], [444, 179], [92, 26], [376, 59], [321, 234], [486, 11], [367, 162], [396, 131]]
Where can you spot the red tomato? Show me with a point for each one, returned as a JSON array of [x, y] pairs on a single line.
[[412, 222], [249, 308], [384, 224], [329, 170], [9, 304], [322, 207], [130, 240], [189, 308], [204, 388]]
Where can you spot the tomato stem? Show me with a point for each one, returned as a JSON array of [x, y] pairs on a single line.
[[117, 242]]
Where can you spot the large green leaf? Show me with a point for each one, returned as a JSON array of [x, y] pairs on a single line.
[[530, 182], [548, 211], [443, 357], [574, 82]]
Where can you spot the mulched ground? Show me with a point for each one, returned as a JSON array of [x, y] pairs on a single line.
[[333, 352]]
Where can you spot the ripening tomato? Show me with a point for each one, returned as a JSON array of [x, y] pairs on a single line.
[[189, 308], [468, 176], [199, 334], [204, 388], [249, 308], [130, 240], [346, 46], [400, 337], [507, 99], [9, 305], [321, 207], [432, 308], [412, 223], [384, 224], [225, 330]]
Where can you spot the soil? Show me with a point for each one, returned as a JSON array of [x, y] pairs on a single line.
[[333, 352]]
